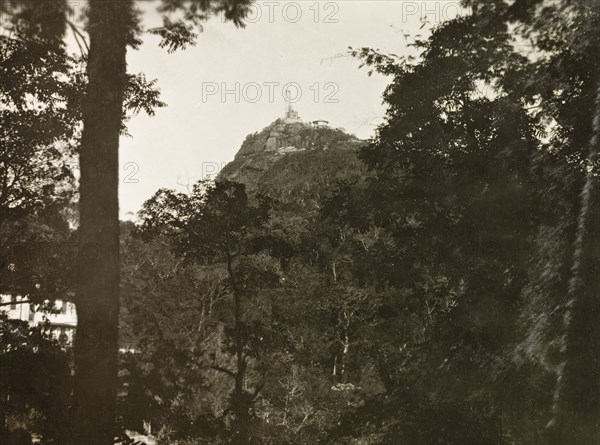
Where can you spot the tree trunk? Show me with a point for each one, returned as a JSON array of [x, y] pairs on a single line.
[[3, 406], [345, 349], [576, 407], [97, 300], [240, 399]]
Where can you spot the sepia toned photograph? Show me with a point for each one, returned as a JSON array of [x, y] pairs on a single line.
[[299, 222]]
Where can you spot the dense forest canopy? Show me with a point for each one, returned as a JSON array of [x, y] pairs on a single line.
[[437, 283]]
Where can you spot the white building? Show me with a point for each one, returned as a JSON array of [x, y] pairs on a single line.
[[61, 323]]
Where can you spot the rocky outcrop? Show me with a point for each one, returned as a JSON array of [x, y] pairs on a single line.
[[288, 136]]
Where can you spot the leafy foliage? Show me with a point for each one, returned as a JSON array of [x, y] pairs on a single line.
[[34, 384]]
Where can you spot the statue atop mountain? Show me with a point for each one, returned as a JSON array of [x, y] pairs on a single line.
[[291, 115]]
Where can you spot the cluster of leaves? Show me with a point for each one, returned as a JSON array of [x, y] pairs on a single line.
[[180, 31], [477, 134], [35, 385], [41, 88]]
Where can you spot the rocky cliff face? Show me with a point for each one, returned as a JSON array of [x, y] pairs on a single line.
[[283, 138]]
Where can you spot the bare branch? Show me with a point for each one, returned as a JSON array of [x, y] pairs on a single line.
[[224, 370]]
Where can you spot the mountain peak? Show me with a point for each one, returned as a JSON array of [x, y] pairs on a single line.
[[285, 136]]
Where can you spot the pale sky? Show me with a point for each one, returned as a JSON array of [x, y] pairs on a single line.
[[301, 42]]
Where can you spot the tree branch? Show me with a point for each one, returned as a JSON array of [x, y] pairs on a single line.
[[224, 370], [78, 35]]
